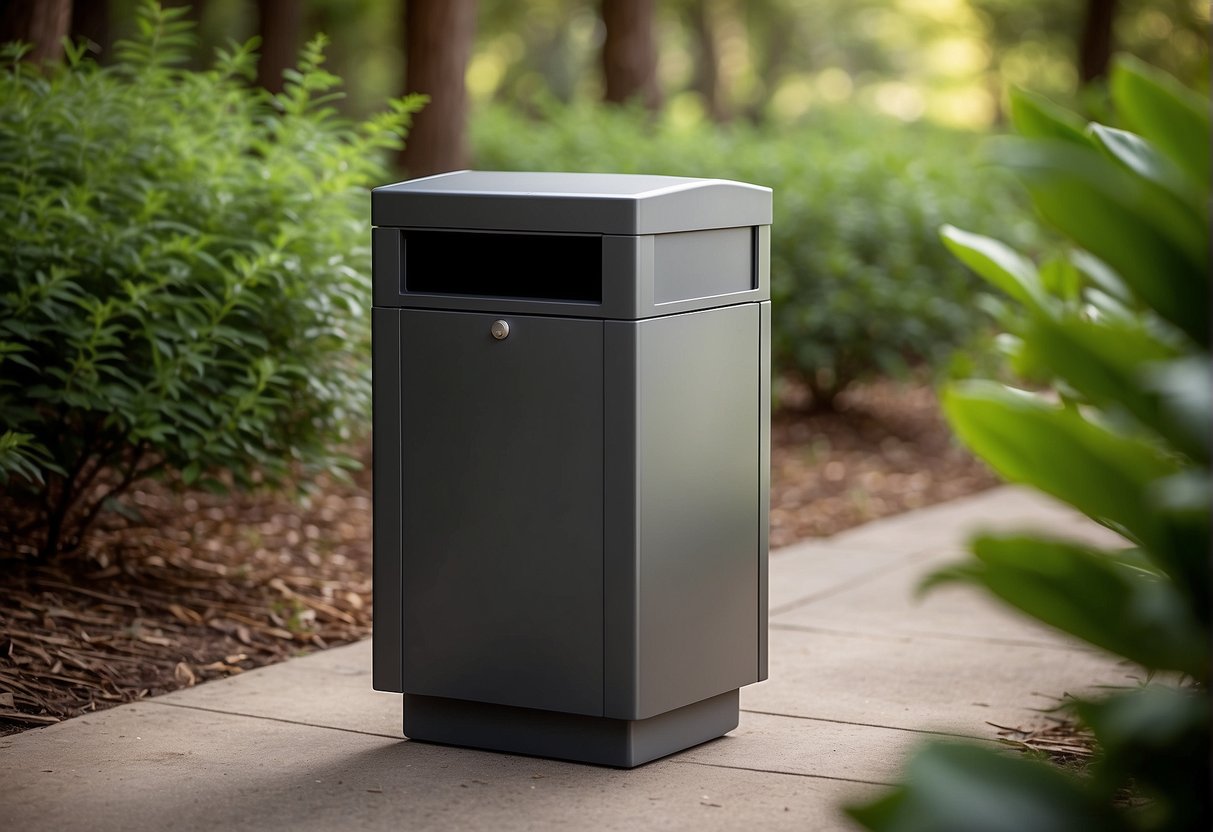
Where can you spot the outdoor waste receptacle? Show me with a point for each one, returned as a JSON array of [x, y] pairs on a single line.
[[571, 380]]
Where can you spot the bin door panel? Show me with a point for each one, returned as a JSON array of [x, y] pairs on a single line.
[[501, 494], [698, 456]]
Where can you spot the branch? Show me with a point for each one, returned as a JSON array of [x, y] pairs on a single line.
[[131, 475]]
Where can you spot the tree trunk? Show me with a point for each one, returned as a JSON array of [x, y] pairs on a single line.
[[41, 23], [91, 21], [279, 23], [341, 25], [1095, 47], [438, 42], [629, 53], [775, 32], [708, 81]]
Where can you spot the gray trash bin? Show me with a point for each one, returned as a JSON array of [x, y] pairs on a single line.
[[571, 461]]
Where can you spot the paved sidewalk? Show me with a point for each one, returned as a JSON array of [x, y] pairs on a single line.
[[859, 675]]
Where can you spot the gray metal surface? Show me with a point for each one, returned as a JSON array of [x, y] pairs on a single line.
[[764, 479], [502, 493], [386, 266], [683, 565], [621, 522], [385, 494], [596, 203], [585, 739], [703, 264], [697, 451]]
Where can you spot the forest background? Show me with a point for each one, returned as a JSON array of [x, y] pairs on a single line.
[[765, 62]]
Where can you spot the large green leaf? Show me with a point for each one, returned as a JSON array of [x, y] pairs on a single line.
[[1106, 362], [1155, 739], [1186, 390], [1139, 156], [1028, 440], [1089, 595], [1173, 118], [1037, 117], [1158, 248], [965, 788], [1005, 268], [1101, 275]]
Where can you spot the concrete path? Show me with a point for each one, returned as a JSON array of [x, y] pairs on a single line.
[[860, 674]]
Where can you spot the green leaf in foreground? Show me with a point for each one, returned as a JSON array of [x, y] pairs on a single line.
[[1108, 361], [1139, 156], [1157, 246], [1037, 117], [1165, 113], [1004, 268], [1156, 739], [1028, 440], [1072, 587], [960, 788]]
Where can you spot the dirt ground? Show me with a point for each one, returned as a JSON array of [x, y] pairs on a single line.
[[194, 586]]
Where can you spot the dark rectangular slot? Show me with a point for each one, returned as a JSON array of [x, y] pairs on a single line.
[[754, 255], [564, 267]]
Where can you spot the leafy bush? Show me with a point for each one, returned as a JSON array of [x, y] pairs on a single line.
[[1120, 332], [182, 272], [860, 282]]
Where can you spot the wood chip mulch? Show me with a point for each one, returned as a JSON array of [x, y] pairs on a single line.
[[193, 586], [198, 587], [885, 450]]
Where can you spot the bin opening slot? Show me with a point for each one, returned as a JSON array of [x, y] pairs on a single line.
[[561, 267]]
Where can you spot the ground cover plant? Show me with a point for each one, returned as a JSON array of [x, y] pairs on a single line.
[[183, 275], [860, 283], [1118, 335]]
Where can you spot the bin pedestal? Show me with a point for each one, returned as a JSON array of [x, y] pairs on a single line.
[[587, 739]]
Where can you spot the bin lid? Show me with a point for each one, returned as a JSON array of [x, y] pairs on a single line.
[[588, 203]]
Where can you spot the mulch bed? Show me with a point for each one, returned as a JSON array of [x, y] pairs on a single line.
[[193, 586], [884, 450]]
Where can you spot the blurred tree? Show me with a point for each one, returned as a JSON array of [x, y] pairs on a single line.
[[41, 23], [195, 9], [947, 61], [438, 42], [91, 21], [1033, 44], [537, 48], [280, 25], [1172, 35], [222, 27], [1095, 45], [629, 52], [709, 81], [771, 30]]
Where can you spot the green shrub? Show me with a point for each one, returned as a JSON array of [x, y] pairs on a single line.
[[860, 282], [1120, 333], [183, 272]]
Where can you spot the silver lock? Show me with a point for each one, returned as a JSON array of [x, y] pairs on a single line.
[[499, 330]]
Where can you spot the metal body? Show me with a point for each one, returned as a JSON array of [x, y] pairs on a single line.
[[571, 459]]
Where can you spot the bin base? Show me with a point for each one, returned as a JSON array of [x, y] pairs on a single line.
[[623, 743]]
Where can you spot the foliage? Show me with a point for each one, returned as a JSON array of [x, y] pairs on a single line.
[[764, 60], [1119, 332], [182, 272], [860, 283]]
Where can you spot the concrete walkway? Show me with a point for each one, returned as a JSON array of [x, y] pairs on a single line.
[[860, 674]]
